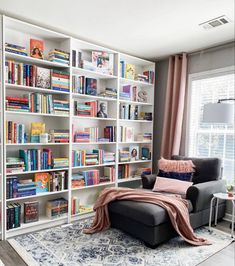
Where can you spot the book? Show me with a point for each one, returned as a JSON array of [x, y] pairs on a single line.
[[31, 211], [37, 128], [43, 78], [36, 48], [42, 181], [91, 86], [130, 71], [102, 109], [103, 62]]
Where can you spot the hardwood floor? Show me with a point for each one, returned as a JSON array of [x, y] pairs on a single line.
[[224, 257]]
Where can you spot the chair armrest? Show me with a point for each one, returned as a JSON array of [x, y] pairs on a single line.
[[148, 181], [201, 194]]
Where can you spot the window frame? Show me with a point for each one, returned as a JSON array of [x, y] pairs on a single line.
[[198, 76]]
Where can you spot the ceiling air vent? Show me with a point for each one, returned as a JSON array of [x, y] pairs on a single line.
[[216, 22]]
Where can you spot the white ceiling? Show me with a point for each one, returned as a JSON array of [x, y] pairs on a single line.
[[145, 28]]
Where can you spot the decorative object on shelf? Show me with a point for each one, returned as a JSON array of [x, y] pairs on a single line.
[[142, 96], [219, 112], [103, 62], [37, 48], [45, 138], [134, 152], [102, 109], [145, 153]]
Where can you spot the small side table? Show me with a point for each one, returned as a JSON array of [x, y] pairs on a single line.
[[222, 196]]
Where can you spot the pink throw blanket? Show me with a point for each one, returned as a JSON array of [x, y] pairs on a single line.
[[176, 207]]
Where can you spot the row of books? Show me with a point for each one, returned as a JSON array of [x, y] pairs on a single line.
[[37, 103], [15, 132], [128, 111], [41, 182], [35, 76], [128, 71], [94, 157], [59, 56], [83, 85], [127, 135], [124, 171], [54, 208], [93, 177]]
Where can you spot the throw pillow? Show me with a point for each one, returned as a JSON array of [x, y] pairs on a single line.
[[170, 185], [176, 175]]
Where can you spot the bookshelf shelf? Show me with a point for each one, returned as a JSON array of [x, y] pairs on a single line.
[[37, 171], [77, 95], [38, 195], [36, 144], [28, 59], [64, 124], [135, 82], [33, 89], [135, 103], [135, 121], [34, 114], [91, 74], [94, 186], [94, 143], [133, 162], [94, 118], [129, 179], [92, 166]]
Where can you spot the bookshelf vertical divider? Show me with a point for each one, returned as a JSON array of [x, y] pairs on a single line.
[[19, 32]]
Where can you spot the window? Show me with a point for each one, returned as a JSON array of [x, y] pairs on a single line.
[[211, 140]]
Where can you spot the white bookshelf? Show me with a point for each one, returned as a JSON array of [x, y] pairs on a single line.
[[20, 32]]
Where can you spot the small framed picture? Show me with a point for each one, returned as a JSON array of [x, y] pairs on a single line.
[[102, 109], [134, 152]]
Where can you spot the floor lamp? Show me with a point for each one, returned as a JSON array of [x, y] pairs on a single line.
[[220, 112]]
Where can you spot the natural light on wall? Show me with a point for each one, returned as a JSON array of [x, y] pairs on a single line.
[[207, 139]]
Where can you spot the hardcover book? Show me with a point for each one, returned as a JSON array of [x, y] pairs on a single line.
[[103, 61], [42, 181], [31, 211], [129, 134], [91, 86], [130, 71], [36, 48], [43, 78], [134, 152]]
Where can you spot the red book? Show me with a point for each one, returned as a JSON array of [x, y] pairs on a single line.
[[18, 99], [107, 133], [60, 76]]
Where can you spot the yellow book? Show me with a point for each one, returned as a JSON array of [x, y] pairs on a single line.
[[37, 128], [130, 71]]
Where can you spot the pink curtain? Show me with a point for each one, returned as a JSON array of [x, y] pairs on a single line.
[[174, 105]]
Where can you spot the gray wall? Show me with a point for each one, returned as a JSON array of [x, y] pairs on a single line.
[[209, 59]]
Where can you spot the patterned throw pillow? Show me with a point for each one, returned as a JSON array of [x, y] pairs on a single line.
[[176, 169]]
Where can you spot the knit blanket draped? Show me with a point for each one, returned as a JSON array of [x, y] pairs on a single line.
[[176, 207]]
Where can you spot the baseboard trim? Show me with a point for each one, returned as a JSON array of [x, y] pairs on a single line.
[[228, 217]]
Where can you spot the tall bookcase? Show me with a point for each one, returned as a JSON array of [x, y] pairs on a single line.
[[19, 32]]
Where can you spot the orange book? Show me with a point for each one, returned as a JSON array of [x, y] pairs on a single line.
[[36, 48], [42, 181]]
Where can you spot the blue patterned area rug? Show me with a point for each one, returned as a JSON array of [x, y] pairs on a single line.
[[68, 246]]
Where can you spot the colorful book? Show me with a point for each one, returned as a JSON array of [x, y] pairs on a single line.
[[36, 48]]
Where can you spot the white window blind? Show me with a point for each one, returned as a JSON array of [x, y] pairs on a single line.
[[211, 140]]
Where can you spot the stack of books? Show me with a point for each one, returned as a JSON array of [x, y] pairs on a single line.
[[36, 159], [123, 171], [75, 202], [124, 156], [19, 188], [15, 49], [141, 77], [13, 215], [78, 180], [128, 111], [56, 208], [85, 109], [61, 107], [59, 56], [110, 133], [18, 104], [60, 80], [59, 135], [85, 208], [150, 76], [81, 136], [108, 157], [143, 171], [86, 178], [27, 75], [15, 132], [109, 93], [60, 163], [15, 165], [144, 137], [91, 158]]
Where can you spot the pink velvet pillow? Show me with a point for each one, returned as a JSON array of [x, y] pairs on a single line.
[[179, 166], [170, 185]]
